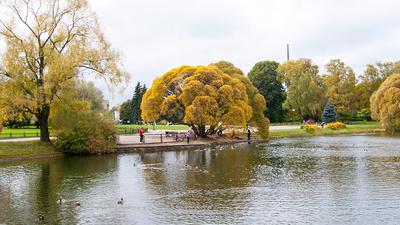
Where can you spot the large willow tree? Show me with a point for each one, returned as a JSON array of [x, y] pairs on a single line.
[[204, 97], [48, 44]]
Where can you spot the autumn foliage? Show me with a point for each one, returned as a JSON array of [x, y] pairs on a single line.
[[206, 98], [336, 126], [385, 103]]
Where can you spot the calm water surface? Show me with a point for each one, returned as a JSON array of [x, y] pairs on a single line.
[[320, 180]]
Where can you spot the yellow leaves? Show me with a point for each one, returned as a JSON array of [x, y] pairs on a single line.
[[201, 111], [385, 103], [304, 87], [151, 106], [340, 82], [235, 116], [225, 95], [170, 106], [191, 90]]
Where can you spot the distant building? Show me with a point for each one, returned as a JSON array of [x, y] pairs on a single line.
[[105, 104], [116, 113]]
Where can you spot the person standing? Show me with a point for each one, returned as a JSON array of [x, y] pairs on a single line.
[[248, 134], [141, 134], [188, 135]]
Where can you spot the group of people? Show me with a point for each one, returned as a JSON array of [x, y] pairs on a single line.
[[310, 121]]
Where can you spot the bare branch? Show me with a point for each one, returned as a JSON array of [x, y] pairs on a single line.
[[13, 35], [16, 11], [56, 22]]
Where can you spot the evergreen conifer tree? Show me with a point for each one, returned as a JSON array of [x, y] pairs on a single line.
[[329, 114], [136, 101]]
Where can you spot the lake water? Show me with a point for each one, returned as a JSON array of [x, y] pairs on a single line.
[[319, 180]]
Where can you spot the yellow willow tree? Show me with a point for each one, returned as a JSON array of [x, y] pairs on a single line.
[[305, 90], [340, 82], [203, 97], [256, 100], [385, 103], [48, 44]]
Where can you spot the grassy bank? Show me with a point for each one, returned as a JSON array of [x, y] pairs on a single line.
[[353, 129], [25, 150]]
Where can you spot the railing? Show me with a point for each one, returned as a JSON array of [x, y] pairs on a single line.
[[19, 134], [129, 130]]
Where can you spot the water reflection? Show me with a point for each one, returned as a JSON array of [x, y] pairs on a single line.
[[303, 180]]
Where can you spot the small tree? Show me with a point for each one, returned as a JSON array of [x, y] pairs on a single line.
[[329, 114], [80, 130]]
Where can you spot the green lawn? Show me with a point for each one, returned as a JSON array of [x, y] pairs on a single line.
[[25, 149], [352, 129], [27, 132], [299, 123]]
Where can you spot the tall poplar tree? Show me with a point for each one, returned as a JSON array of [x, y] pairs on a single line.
[[305, 90], [340, 82]]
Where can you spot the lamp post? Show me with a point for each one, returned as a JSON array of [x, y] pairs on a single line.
[[293, 115]]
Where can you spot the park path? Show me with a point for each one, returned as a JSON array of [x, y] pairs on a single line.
[[134, 139]]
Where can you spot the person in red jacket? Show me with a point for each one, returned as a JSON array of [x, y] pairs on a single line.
[[141, 134]]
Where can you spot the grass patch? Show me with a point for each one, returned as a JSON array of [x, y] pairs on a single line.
[[9, 150], [23, 132], [351, 129]]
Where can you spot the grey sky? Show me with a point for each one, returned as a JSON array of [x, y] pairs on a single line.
[[155, 36]]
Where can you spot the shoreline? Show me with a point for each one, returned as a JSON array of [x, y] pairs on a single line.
[[204, 143]]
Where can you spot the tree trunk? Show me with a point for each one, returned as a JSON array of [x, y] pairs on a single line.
[[43, 120], [202, 131]]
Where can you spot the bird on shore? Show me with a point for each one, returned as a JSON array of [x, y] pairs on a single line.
[[120, 202]]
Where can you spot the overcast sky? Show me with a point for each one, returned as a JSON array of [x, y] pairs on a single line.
[[155, 36]]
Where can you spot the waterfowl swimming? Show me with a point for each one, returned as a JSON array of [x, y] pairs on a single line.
[[120, 202], [41, 217], [77, 203], [60, 201]]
